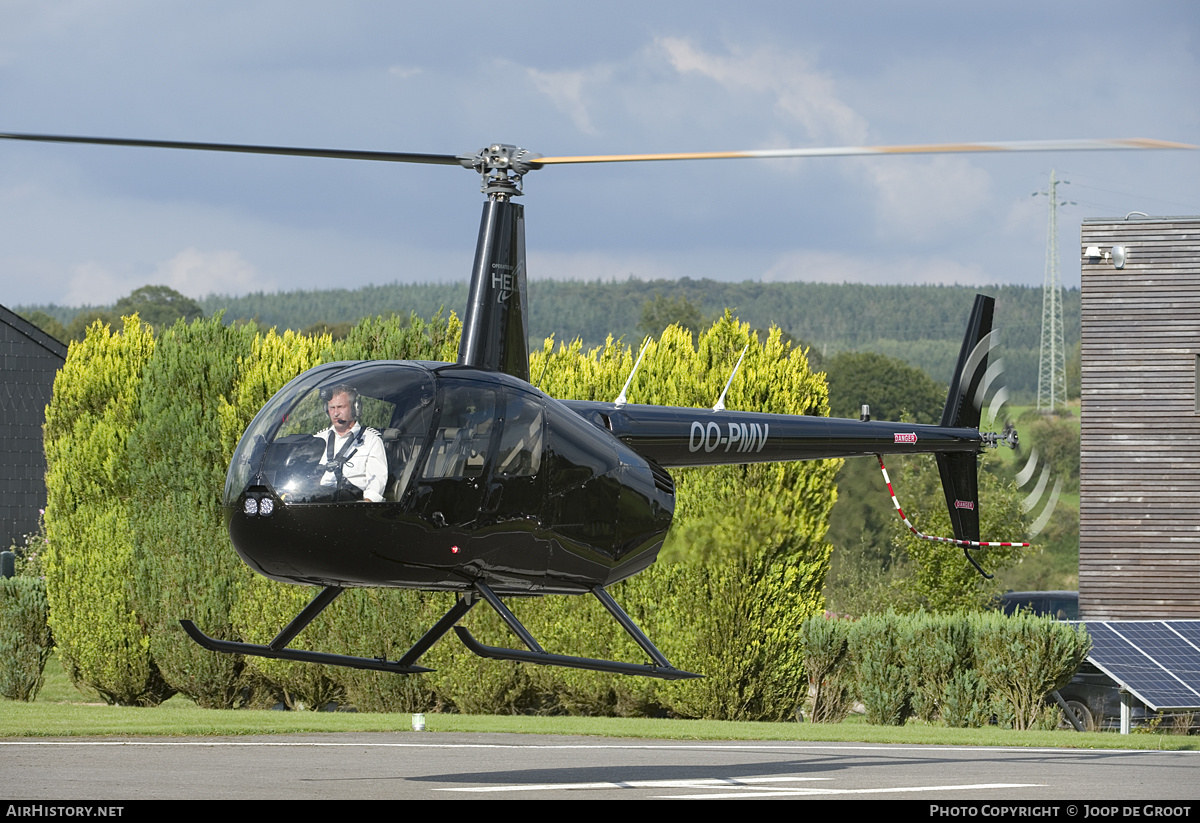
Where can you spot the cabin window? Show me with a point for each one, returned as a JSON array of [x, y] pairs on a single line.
[[464, 432], [520, 453]]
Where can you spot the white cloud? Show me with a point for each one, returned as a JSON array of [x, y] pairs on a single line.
[[91, 283], [197, 274], [924, 200], [565, 90], [1026, 214], [805, 95]]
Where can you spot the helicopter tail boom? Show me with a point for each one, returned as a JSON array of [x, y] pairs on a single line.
[[678, 437]]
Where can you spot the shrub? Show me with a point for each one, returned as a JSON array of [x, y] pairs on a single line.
[[185, 564], [882, 681], [826, 648], [25, 642], [1021, 659], [736, 621], [940, 662]]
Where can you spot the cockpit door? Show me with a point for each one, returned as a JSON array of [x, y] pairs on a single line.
[[453, 480], [484, 458], [515, 490]]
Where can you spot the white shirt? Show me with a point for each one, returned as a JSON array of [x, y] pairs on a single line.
[[366, 464]]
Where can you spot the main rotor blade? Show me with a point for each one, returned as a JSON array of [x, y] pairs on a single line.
[[344, 154], [847, 151]]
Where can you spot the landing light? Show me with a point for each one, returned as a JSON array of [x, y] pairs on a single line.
[[254, 506]]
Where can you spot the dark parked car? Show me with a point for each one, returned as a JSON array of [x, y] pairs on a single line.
[[1094, 699], [1061, 605]]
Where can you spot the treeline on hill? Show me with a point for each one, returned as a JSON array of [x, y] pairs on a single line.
[[921, 325], [140, 432]]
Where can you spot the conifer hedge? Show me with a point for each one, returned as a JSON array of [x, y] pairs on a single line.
[[961, 669], [92, 560]]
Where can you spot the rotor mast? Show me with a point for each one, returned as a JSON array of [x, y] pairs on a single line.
[[494, 335]]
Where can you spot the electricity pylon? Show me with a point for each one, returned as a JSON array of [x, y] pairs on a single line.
[[1052, 365]]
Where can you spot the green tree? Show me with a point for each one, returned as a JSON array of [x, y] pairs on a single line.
[[745, 560], [186, 565], [1074, 371], [661, 312], [892, 388], [77, 329], [91, 557], [865, 561], [1057, 442], [938, 577], [336, 331], [160, 306]]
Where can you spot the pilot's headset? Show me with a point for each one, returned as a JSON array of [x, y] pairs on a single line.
[[351, 392]]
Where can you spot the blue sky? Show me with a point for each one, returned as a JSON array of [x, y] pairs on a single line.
[[89, 224]]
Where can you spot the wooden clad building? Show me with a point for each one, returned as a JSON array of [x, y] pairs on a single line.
[[1139, 530]]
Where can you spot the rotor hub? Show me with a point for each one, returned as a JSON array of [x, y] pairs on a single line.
[[501, 167]]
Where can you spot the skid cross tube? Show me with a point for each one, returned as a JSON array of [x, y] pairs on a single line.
[[536, 654], [318, 604], [460, 608], [277, 650]]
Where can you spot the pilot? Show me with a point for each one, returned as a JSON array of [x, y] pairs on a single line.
[[354, 461]]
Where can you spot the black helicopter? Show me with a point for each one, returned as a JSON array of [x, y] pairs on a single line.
[[485, 486]]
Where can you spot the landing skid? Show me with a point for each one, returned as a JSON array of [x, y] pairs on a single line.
[[536, 654], [277, 648]]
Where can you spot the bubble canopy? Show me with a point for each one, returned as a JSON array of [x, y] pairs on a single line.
[[284, 449]]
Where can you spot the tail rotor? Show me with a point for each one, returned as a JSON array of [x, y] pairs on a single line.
[[959, 471]]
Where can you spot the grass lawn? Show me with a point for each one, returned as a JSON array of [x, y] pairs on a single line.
[[61, 711]]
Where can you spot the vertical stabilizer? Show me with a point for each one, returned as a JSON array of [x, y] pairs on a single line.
[[960, 471], [972, 362]]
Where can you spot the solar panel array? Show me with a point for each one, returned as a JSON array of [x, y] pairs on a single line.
[[1158, 661]]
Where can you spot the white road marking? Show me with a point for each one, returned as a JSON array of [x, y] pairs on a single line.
[[747, 786], [816, 791], [695, 783]]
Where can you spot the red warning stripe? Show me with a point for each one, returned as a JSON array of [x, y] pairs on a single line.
[[967, 544]]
